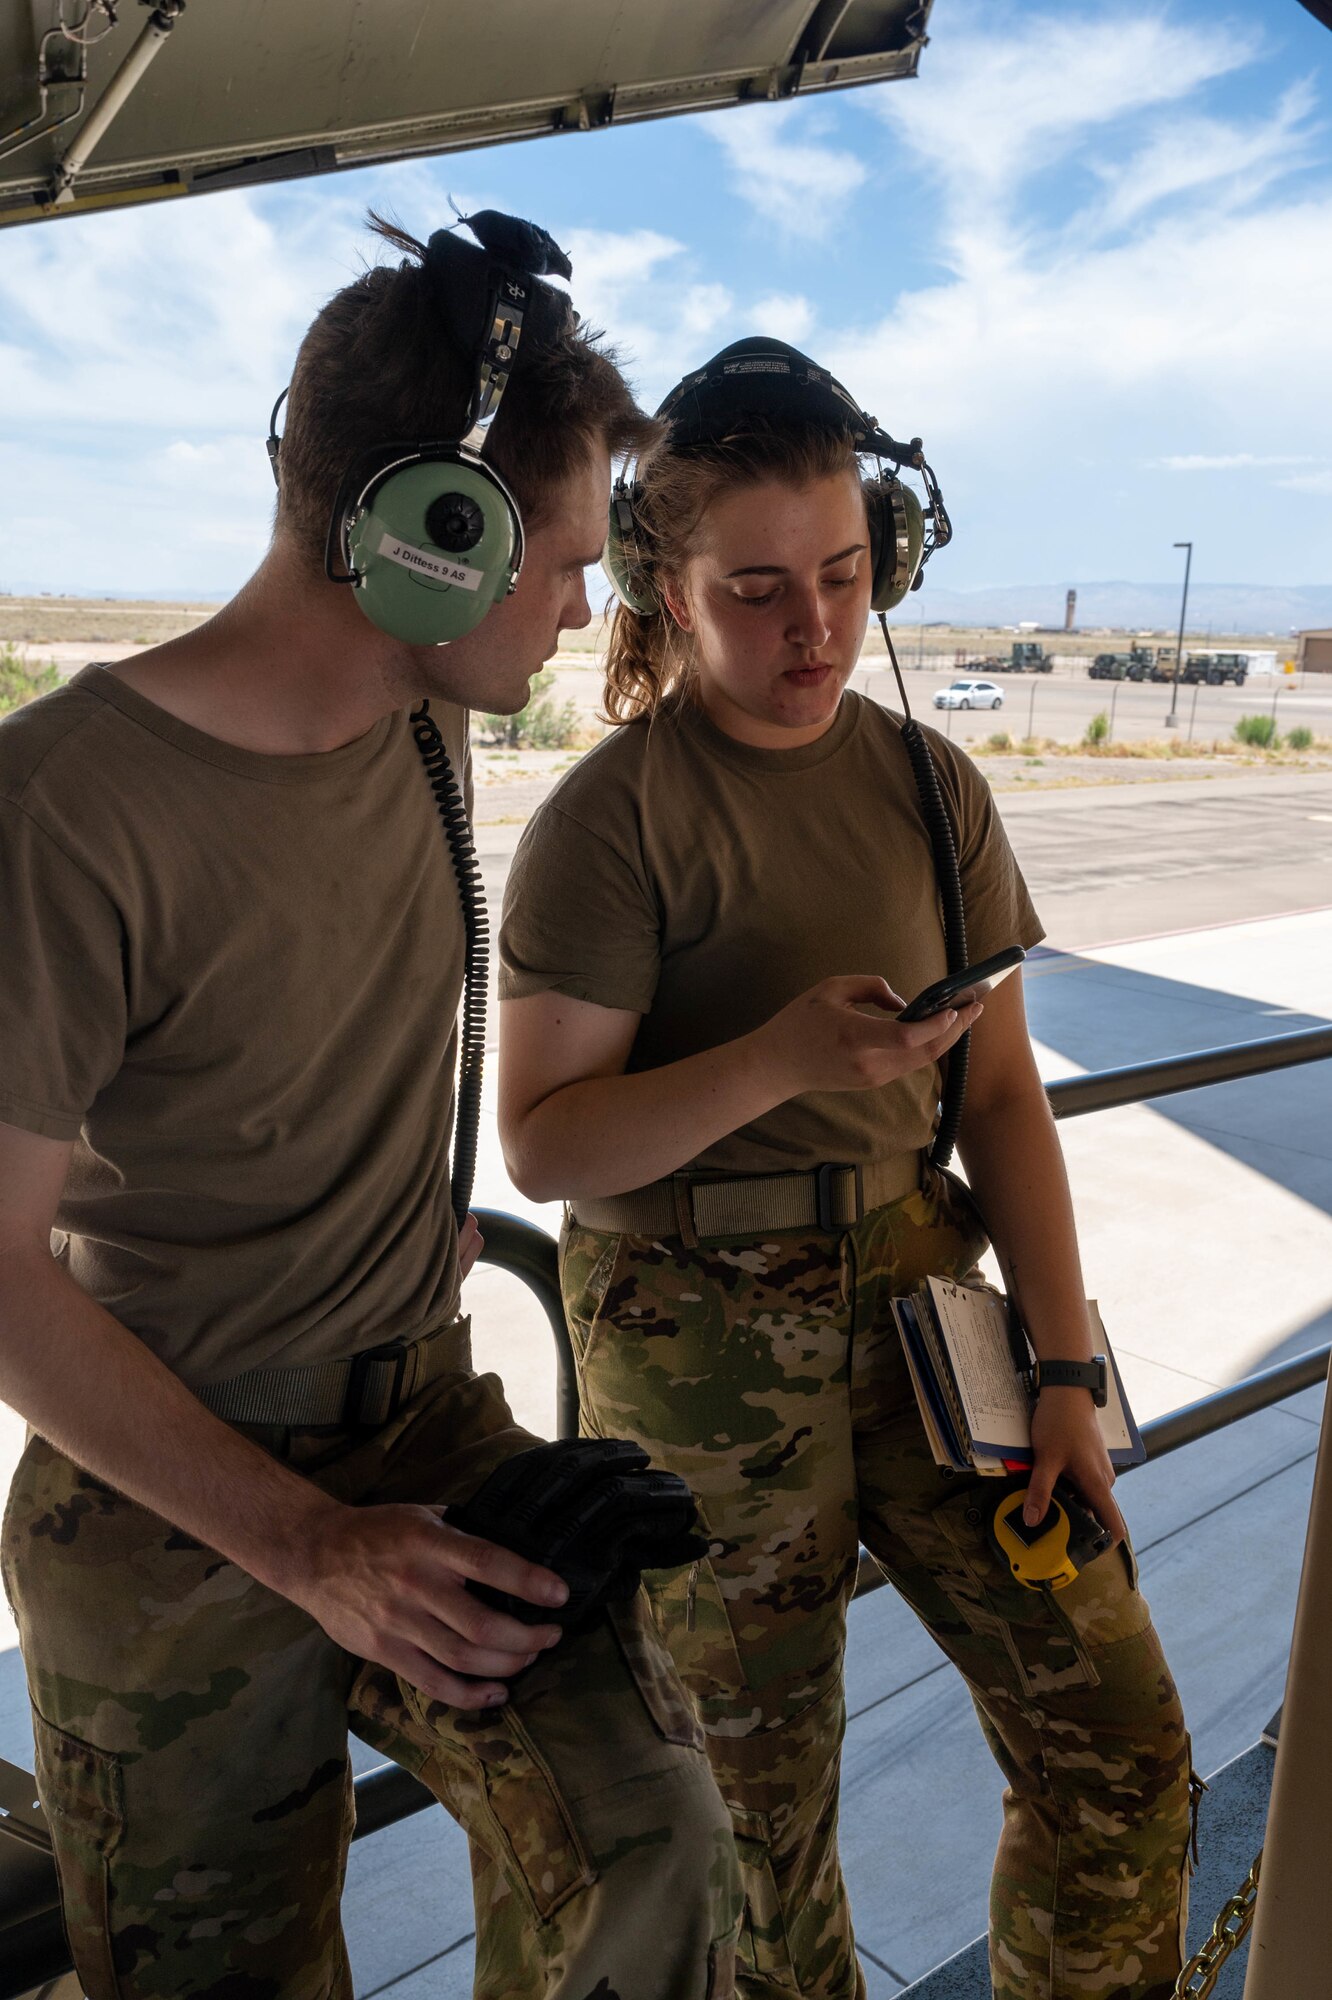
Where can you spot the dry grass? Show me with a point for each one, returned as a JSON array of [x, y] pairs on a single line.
[[1161, 749]]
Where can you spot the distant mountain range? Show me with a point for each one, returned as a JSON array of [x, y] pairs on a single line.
[[1248, 608]]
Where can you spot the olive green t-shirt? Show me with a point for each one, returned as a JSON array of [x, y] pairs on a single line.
[[704, 883], [232, 980]]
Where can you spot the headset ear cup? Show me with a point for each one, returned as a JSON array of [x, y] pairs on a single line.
[[622, 559], [435, 544], [897, 540]]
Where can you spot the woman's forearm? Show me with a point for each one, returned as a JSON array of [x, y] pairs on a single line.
[[606, 1134], [1015, 1166]]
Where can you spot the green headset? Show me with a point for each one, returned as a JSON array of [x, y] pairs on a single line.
[[774, 383], [426, 531]]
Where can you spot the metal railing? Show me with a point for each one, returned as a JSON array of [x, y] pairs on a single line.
[[32, 1942]]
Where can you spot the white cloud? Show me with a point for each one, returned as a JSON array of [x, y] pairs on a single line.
[[1309, 482], [787, 179], [636, 286], [1231, 461], [785, 315], [1229, 158], [1004, 103], [1094, 320]]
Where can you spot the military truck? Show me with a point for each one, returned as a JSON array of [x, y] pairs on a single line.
[[1026, 657], [1135, 665], [1214, 668], [1205, 667]]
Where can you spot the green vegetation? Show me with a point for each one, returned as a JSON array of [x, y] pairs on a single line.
[[1300, 739], [1258, 731], [20, 683], [1097, 731], [1001, 740], [544, 724]]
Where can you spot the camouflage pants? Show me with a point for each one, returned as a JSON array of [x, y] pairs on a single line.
[[769, 1375], [191, 1733]]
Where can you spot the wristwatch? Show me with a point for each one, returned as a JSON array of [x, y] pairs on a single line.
[[1073, 1375]]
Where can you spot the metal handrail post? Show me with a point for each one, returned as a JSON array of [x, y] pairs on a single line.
[[521, 1248]]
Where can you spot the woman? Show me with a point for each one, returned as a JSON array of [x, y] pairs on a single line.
[[710, 926]]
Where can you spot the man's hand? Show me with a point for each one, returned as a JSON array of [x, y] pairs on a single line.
[[388, 1583], [1066, 1439], [842, 1035], [470, 1245]]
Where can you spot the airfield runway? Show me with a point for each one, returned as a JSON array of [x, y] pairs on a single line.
[[1115, 861]]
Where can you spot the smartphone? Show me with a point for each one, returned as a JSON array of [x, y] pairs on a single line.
[[944, 991]]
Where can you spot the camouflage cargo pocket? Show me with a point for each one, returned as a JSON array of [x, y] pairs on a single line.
[[590, 1260], [82, 1794], [653, 1672], [763, 1947], [780, 1784], [485, 1768], [1050, 1637]]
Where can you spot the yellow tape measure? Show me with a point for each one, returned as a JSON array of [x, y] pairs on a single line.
[[1049, 1555]]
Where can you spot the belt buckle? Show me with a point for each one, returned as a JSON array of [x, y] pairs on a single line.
[[395, 1350], [823, 1195]]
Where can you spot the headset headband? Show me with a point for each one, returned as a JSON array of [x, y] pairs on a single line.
[[765, 378], [492, 299]]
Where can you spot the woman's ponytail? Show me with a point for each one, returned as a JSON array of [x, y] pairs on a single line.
[[645, 664]]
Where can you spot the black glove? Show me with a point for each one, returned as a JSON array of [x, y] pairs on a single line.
[[591, 1509]]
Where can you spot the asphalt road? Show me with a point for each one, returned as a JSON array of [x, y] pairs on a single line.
[[1110, 862], [1061, 704], [1106, 862]]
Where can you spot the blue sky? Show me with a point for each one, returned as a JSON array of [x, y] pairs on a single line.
[[1087, 255]]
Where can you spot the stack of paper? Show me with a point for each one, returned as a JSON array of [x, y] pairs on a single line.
[[967, 1359]]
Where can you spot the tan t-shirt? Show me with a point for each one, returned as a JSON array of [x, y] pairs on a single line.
[[233, 981], [703, 883]]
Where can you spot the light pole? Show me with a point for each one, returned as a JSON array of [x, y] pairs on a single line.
[[1179, 643]]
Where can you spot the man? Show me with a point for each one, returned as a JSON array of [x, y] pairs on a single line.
[[227, 1039]]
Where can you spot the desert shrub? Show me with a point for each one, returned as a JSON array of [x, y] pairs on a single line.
[[1258, 731], [19, 683], [544, 724], [1097, 731], [999, 741], [1300, 739]]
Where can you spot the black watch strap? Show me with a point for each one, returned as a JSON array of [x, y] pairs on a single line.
[[1073, 1375]]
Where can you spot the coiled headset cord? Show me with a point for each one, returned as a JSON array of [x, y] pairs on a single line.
[[939, 827], [476, 924]]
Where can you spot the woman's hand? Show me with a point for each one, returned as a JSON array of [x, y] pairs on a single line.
[[842, 1035], [1066, 1440]]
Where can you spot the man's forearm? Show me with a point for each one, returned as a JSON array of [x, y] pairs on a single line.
[[92, 1388], [1016, 1171]]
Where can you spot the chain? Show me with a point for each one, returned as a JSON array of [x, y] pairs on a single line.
[[1229, 1931]]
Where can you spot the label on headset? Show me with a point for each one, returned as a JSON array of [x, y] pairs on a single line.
[[429, 562]]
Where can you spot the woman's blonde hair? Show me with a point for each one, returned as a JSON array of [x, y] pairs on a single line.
[[649, 660]]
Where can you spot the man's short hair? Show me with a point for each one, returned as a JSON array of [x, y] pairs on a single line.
[[378, 366]]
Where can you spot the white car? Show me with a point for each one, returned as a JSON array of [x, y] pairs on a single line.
[[970, 694]]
